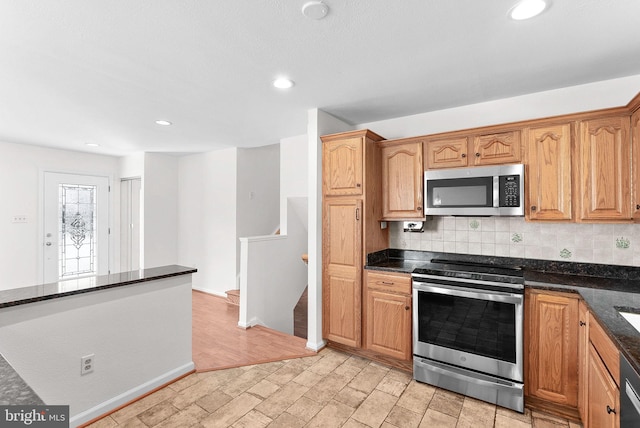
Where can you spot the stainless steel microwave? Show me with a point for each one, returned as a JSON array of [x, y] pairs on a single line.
[[477, 191]]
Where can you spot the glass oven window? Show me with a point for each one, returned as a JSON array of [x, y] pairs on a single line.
[[476, 326], [460, 192]]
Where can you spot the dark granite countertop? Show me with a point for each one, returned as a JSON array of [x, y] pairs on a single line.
[[54, 290], [605, 288], [13, 389]]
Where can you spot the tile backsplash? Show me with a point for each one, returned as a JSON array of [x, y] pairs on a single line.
[[513, 237]]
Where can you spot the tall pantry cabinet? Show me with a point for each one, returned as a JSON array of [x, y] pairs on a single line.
[[351, 213]]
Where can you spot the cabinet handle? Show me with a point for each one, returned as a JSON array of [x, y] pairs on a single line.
[[406, 308], [610, 410], [358, 214], [358, 185], [385, 283], [464, 155], [582, 323], [638, 206], [533, 208], [477, 155]]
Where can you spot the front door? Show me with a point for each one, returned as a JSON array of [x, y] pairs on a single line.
[[75, 226]]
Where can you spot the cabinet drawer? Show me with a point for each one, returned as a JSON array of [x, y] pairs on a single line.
[[392, 283], [606, 348]]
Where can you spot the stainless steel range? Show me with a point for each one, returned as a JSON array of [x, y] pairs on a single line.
[[468, 330]]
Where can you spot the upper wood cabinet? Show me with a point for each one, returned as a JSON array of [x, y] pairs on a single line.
[[551, 324], [549, 172], [342, 166], [402, 184], [605, 176], [495, 149], [446, 152], [486, 149], [635, 141]]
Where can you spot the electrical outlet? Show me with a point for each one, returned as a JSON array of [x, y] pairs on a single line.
[[87, 363]]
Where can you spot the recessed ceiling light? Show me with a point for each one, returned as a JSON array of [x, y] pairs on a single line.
[[527, 9], [315, 10], [92, 144], [283, 83], [163, 122]]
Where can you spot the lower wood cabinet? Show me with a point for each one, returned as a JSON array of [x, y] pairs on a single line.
[[388, 314], [604, 396], [602, 407], [551, 339]]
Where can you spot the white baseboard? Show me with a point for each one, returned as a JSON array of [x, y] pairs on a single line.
[[130, 395]]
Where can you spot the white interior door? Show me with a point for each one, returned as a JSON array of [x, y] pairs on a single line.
[[75, 226]]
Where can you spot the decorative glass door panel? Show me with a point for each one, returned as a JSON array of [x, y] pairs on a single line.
[[76, 228]]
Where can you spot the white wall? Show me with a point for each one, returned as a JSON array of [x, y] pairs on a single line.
[[270, 286], [574, 99], [132, 165], [140, 335], [160, 212], [294, 174], [207, 218], [319, 123], [258, 187], [21, 168]]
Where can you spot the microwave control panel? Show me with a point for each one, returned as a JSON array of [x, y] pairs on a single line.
[[509, 190]]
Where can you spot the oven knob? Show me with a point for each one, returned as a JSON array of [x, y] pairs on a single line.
[[463, 358]]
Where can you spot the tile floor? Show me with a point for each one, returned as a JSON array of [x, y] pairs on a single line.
[[330, 389]]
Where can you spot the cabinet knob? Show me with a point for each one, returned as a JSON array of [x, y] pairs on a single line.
[[464, 155], [419, 208], [533, 208], [638, 206], [582, 323], [358, 185], [406, 308], [477, 155], [610, 410]]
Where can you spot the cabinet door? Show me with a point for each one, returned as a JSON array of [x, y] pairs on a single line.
[[495, 149], [553, 348], [402, 181], [635, 138], [604, 397], [342, 167], [446, 153], [583, 359], [342, 263], [389, 324], [549, 178], [605, 176]]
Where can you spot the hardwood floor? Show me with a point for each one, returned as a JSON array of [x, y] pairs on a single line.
[[219, 343]]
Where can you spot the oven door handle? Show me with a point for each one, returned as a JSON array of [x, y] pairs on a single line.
[[494, 296]]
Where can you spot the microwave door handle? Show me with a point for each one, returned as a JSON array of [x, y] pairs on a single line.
[[496, 191]]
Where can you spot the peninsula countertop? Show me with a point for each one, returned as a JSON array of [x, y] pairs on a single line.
[[606, 289], [13, 389]]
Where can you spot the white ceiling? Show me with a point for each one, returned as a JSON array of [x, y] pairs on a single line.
[[102, 71]]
